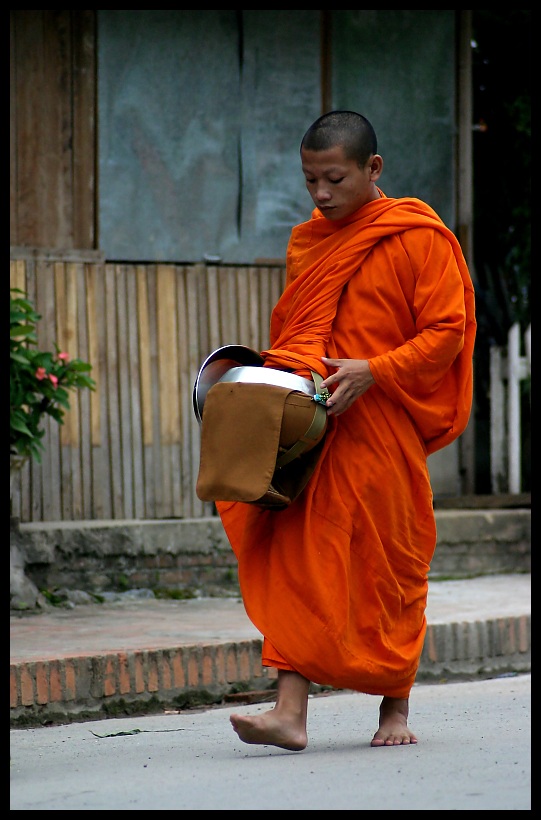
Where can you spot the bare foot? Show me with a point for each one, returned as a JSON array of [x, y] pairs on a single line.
[[270, 729], [393, 724]]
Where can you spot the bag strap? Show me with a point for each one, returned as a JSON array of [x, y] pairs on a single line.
[[312, 433]]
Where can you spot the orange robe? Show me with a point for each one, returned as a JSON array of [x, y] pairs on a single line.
[[337, 582]]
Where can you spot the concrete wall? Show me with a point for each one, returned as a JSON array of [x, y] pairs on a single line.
[[193, 556]]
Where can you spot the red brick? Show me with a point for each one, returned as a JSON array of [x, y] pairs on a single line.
[[179, 679], [70, 682], [124, 684], [55, 682], [244, 663], [219, 660], [231, 664], [153, 683], [42, 682], [166, 672], [430, 643], [27, 686], [509, 646], [193, 668], [207, 667], [139, 672], [110, 677], [523, 632], [13, 689]]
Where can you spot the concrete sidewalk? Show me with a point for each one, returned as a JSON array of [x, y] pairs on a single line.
[[144, 656]]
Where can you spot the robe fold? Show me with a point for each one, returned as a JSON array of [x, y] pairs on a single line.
[[337, 582]]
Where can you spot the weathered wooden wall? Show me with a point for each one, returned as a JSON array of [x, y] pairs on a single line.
[[53, 129], [130, 450]]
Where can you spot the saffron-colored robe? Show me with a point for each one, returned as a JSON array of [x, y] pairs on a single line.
[[337, 583]]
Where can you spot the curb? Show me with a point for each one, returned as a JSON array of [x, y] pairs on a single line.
[[90, 687]]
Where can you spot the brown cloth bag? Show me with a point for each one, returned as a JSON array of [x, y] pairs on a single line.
[[259, 443]]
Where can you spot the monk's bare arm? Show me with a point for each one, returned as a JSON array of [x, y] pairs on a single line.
[[350, 380]]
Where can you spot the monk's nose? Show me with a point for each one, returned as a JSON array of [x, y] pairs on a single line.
[[323, 195]]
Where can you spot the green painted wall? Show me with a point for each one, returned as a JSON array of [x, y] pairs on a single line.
[[201, 114]]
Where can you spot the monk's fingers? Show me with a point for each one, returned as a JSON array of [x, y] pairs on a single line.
[[344, 395], [334, 362], [340, 401]]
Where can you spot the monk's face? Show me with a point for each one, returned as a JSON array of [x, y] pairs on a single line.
[[337, 185]]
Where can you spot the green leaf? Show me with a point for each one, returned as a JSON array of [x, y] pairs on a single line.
[[17, 424]]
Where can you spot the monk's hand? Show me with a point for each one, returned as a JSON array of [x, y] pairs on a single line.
[[352, 378]]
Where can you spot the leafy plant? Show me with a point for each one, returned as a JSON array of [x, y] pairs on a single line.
[[39, 381]]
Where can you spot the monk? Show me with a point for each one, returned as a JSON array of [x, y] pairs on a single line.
[[378, 300]]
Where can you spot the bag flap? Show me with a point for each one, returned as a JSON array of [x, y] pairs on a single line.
[[240, 435]]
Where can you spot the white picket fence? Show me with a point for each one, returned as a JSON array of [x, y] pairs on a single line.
[[509, 366]]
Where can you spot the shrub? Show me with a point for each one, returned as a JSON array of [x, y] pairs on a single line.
[[39, 382]]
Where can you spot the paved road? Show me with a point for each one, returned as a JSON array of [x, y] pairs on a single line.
[[473, 754]]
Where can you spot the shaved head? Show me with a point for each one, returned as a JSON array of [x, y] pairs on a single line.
[[347, 129]]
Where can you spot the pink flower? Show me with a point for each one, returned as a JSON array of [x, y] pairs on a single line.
[[40, 373], [64, 357], [54, 379]]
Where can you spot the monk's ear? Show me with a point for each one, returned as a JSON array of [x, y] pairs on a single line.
[[376, 167]]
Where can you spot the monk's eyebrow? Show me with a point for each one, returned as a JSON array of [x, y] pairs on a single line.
[[334, 169]]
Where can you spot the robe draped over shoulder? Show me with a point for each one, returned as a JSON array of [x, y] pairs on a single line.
[[338, 581]]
